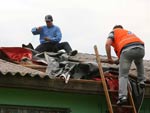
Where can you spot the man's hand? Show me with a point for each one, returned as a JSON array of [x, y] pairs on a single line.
[[110, 61], [116, 61], [47, 39], [39, 29]]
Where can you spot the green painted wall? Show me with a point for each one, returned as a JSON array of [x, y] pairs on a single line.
[[145, 106], [78, 103]]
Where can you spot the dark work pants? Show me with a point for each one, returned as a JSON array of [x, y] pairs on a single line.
[[54, 47]]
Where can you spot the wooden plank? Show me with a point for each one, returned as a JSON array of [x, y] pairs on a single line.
[[37, 67]]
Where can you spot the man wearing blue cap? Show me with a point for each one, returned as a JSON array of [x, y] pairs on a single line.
[[50, 36]]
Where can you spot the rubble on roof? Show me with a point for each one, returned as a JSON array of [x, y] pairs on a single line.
[[85, 65]]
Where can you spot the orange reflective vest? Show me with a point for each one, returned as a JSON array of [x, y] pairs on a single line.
[[122, 38]]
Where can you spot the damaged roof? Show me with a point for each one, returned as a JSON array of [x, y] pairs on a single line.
[[16, 75], [12, 68], [7, 67], [85, 57]]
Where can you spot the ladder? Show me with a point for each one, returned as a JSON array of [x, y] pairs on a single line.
[[106, 91]]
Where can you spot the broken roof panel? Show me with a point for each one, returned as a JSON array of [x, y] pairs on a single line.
[[8, 67]]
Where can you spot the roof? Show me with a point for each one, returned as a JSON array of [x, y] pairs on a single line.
[[14, 69], [15, 75], [91, 57]]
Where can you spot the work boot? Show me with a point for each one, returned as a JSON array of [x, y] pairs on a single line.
[[27, 46], [73, 53], [122, 100]]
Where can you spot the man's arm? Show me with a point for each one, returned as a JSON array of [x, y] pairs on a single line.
[[36, 30], [108, 50]]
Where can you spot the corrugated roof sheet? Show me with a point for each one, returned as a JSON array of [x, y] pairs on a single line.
[[8, 67]]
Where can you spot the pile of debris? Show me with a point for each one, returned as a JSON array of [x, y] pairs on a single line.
[[61, 65]]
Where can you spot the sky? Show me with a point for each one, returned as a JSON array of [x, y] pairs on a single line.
[[84, 23]]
